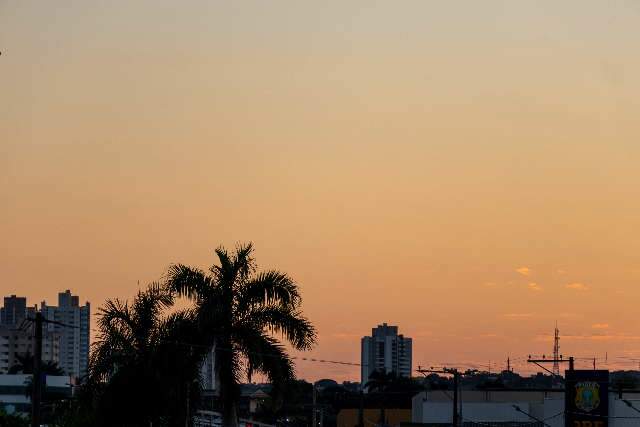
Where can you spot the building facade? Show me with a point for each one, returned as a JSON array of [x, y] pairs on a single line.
[[15, 311], [387, 351], [16, 342], [16, 334], [71, 322], [14, 396]]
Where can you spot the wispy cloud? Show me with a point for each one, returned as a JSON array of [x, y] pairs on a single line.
[[577, 286], [603, 337], [567, 315], [422, 334], [490, 285], [545, 337], [345, 336], [534, 287], [600, 326], [525, 271], [518, 316], [597, 336], [489, 335]]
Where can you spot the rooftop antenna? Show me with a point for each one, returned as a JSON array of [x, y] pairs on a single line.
[[556, 351]]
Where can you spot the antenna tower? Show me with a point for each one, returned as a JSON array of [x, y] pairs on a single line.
[[556, 352]]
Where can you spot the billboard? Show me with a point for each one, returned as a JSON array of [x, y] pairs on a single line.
[[586, 398]]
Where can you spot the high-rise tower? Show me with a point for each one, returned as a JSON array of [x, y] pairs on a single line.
[[556, 352], [387, 351], [71, 322]]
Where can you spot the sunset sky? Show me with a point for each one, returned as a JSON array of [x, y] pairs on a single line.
[[468, 171]]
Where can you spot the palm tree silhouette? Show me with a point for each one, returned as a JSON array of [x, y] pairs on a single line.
[[140, 363], [24, 365], [379, 382], [240, 310]]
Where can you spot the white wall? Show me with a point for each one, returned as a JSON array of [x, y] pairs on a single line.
[[442, 412], [547, 409]]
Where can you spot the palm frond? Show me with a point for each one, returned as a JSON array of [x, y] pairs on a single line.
[[184, 328], [265, 355], [114, 311], [114, 347], [145, 312], [243, 262], [187, 281], [270, 287], [234, 269], [225, 269], [290, 323], [159, 295]]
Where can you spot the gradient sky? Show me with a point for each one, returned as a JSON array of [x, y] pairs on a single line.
[[467, 170]]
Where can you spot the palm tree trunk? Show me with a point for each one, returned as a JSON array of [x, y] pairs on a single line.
[[230, 415], [228, 387], [229, 405]]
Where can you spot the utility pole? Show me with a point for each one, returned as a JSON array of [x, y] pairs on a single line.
[[187, 417], [556, 351], [456, 376], [456, 385], [37, 374], [314, 422], [361, 410], [555, 362], [36, 394]]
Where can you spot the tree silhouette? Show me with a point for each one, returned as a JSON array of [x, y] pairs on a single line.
[[240, 310], [380, 382], [12, 420], [143, 362], [24, 365]]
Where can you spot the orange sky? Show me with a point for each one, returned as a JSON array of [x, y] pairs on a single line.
[[467, 171]]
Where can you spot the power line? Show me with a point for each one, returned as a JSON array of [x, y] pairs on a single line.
[[456, 381], [518, 409], [306, 359]]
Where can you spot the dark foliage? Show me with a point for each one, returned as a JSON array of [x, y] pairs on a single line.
[[145, 363], [241, 311], [24, 365]]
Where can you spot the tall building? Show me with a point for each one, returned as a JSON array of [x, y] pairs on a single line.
[[16, 335], [16, 342], [385, 350], [72, 323], [14, 311]]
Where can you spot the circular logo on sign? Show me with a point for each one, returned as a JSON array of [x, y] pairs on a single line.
[[587, 396]]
